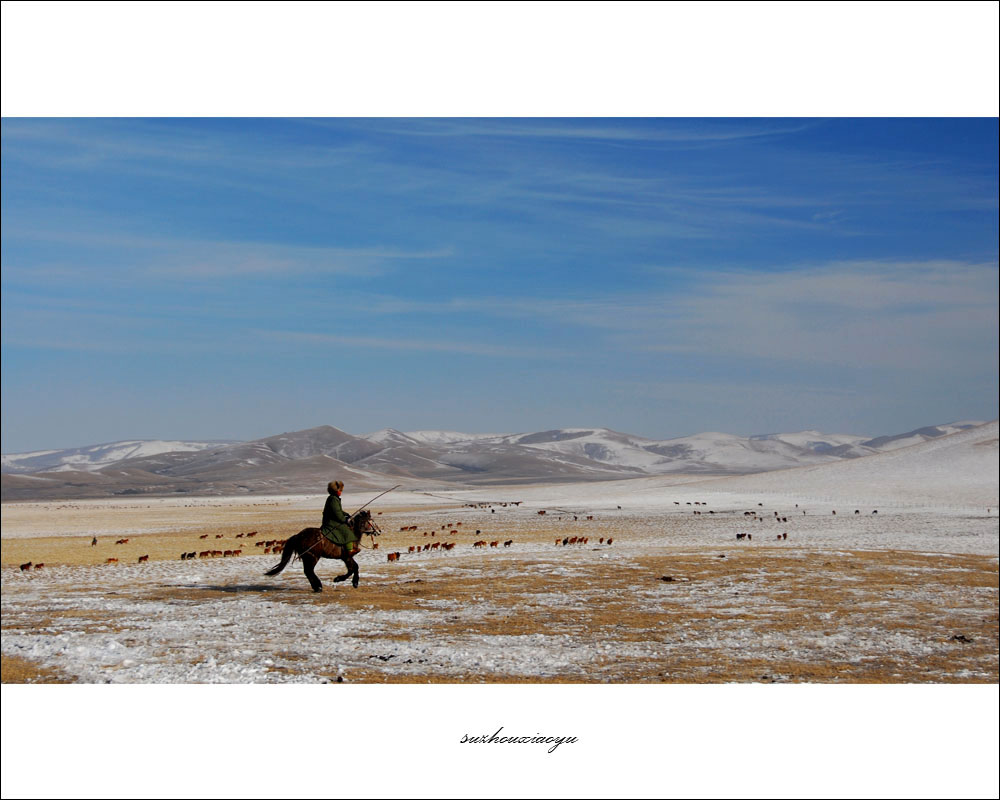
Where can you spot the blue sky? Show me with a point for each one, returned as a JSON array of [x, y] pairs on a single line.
[[235, 278]]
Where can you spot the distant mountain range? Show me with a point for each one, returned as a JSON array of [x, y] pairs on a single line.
[[304, 461]]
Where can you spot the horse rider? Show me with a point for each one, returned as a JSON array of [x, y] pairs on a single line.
[[336, 524]]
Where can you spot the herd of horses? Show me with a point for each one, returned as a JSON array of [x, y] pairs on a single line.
[[310, 545]]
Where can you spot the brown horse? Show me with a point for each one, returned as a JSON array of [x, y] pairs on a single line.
[[311, 545]]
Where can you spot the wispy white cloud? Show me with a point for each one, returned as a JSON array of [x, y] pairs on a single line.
[[133, 258], [925, 315], [680, 131], [911, 315], [460, 345], [148, 144]]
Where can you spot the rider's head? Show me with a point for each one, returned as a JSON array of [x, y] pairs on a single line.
[[335, 487]]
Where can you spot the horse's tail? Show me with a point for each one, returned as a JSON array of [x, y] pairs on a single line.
[[290, 549]]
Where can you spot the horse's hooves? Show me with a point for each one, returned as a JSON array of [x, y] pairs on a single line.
[[354, 583], [317, 588]]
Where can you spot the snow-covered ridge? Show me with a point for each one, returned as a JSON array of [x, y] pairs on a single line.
[[959, 469], [98, 456], [449, 437], [301, 461]]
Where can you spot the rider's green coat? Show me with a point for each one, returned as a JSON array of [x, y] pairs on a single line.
[[335, 527]]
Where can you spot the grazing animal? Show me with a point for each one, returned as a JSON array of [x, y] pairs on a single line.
[[392, 556], [610, 541], [93, 542], [111, 561], [311, 545], [203, 536], [508, 543], [25, 567], [143, 558], [39, 566]]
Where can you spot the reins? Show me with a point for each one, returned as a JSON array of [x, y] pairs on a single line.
[[373, 531]]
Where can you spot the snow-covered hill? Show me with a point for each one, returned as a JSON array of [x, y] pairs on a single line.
[[956, 469], [96, 456], [305, 460]]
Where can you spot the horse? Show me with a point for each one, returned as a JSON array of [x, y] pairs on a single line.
[[311, 545]]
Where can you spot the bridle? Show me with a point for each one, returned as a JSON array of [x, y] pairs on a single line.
[[373, 531]]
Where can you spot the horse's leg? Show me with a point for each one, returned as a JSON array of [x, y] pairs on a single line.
[[342, 555], [308, 567], [352, 566]]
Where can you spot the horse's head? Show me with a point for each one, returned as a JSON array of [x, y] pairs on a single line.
[[363, 524]]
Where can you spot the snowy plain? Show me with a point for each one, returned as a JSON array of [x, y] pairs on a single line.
[[532, 612]]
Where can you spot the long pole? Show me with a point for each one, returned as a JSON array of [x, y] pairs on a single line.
[[377, 497]]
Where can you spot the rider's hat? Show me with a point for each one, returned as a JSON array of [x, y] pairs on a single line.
[[335, 486]]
